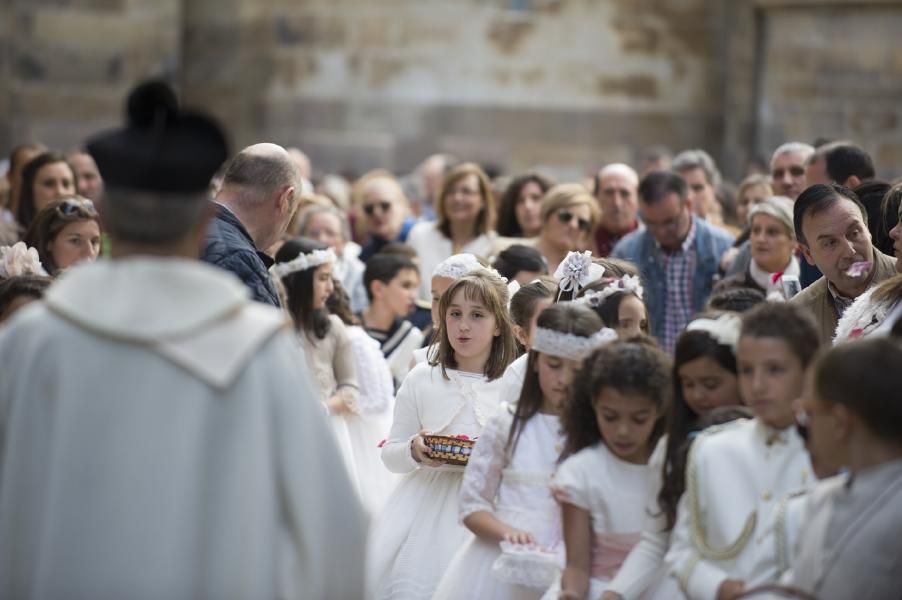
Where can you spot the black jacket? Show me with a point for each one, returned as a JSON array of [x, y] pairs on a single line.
[[229, 246]]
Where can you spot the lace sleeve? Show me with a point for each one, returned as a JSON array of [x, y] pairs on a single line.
[[373, 374], [482, 477]]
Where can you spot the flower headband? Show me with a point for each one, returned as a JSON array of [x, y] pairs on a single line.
[[456, 266], [724, 329], [303, 262], [577, 271], [568, 345], [629, 284], [19, 259]]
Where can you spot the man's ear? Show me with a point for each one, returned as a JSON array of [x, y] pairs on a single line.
[[285, 202], [806, 252], [845, 422], [377, 288]]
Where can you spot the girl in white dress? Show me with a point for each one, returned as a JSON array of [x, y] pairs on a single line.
[[526, 305], [454, 394], [505, 499], [613, 421]]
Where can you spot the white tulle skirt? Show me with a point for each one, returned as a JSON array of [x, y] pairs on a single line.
[[416, 535]]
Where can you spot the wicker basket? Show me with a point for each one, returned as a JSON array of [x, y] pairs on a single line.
[[448, 449]]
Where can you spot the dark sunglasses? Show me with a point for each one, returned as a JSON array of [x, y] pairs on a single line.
[[72, 207], [384, 206], [566, 217], [795, 171]]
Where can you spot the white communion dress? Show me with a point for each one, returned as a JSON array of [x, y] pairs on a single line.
[[516, 489], [415, 536]]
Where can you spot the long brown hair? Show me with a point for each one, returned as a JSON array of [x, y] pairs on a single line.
[[566, 317], [490, 290]]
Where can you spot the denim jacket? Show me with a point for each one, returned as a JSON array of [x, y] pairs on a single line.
[[640, 248]]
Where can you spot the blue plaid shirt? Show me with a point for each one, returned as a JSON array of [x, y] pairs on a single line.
[[679, 267]]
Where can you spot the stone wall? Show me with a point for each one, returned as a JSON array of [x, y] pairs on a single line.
[[560, 84]]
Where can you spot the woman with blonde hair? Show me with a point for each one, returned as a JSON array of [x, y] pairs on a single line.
[[569, 217], [465, 222]]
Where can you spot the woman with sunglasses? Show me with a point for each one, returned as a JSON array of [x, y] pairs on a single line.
[[569, 217], [65, 232], [465, 222]]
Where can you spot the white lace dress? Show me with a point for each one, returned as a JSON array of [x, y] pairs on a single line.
[[517, 491], [413, 539], [367, 429]]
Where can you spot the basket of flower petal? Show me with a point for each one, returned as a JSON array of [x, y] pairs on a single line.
[[451, 450]]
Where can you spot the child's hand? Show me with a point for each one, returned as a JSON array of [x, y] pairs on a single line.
[[515, 536], [729, 589], [611, 596], [421, 452]]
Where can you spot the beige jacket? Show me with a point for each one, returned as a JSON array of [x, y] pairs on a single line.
[[817, 301]]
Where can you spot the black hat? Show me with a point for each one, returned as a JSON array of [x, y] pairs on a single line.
[[161, 149]]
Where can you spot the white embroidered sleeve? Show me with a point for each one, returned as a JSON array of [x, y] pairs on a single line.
[[406, 425], [373, 374], [482, 477]]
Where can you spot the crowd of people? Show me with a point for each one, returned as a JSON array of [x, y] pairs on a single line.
[[222, 376]]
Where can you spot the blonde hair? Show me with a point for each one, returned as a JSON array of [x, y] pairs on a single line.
[[490, 290], [570, 194], [754, 180], [485, 222]]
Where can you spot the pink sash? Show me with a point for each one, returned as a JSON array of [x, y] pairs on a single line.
[[609, 550]]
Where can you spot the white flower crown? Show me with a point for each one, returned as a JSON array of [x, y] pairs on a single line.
[[577, 271], [303, 262], [456, 266], [630, 284], [20, 259], [568, 345], [724, 329]]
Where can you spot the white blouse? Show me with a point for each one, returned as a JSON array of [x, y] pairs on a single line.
[[433, 247]]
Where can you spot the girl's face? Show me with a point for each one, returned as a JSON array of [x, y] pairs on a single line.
[[706, 384], [771, 378], [463, 200], [76, 242], [471, 328], [525, 337], [632, 318], [53, 181], [771, 243], [555, 376], [626, 421], [529, 208], [322, 285], [439, 285]]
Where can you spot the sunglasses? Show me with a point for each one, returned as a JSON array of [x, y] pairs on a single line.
[[384, 206], [566, 217], [72, 207], [795, 171]]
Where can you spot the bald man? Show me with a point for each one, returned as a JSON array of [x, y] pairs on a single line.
[[616, 188], [259, 193]]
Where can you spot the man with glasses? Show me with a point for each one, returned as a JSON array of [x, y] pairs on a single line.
[[677, 253], [616, 188], [386, 211]]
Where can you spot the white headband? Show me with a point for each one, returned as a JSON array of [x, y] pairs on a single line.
[[724, 329], [303, 262], [629, 284], [456, 266], [19, 259], [577, 271], [568, 345]]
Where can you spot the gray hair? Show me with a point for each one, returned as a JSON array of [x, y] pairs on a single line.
[[697, 159], [802, 148], [312, 211], [257, 176], [151, 218]]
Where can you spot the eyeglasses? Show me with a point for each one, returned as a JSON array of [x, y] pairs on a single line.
[[384, 206], [72, 206], [566, 217], [795, 171]]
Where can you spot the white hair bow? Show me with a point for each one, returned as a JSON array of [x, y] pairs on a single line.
[[577, 271], [724, 329]]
